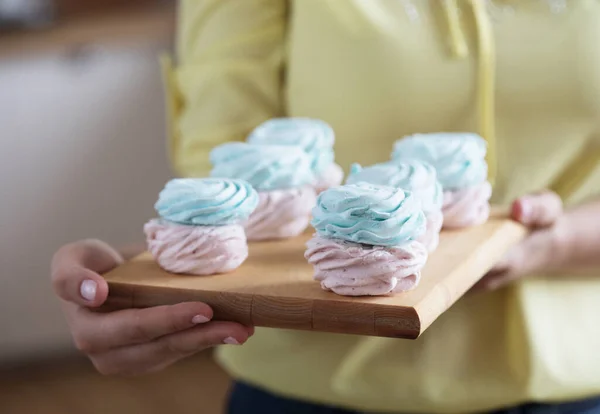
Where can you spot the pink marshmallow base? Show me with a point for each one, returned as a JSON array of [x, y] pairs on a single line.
[[281, 214], [351, 269], [467, 207], [196, 250]]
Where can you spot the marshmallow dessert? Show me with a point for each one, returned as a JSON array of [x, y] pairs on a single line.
[[314, 136], [366, 241], [283, 177], [459, 159], [199, 231]]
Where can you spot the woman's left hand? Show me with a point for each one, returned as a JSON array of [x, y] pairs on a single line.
[[539, 250]]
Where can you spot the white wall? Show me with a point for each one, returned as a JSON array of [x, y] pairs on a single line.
[[82, 154]]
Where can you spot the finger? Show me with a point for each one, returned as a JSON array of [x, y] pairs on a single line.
[[501, 269], [533, 254], [156, 355], [75, 272], [80, 286], [484, 281], [536, 253], [98, 332], [538, 210], [92, 254]]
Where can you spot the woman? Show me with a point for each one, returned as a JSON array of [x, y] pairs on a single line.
[[525, 74]]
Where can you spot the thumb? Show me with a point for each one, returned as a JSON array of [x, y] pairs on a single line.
[[75, 272], [80, 286], [537, 210]]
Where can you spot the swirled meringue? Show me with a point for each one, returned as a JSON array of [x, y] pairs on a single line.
[[196, 250], [459, 158], [281, 213], [206, 201], [415, 176], [351, 269], [369, 214], [265, 167]]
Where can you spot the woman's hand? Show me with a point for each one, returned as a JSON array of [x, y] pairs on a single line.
[[541, 250], [133, 341]]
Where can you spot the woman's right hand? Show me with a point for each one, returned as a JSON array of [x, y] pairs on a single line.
[[133, 341]]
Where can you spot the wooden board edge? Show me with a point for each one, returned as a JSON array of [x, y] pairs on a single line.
[[319, 315]]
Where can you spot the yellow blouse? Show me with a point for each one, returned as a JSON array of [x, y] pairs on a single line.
[[523, 73]]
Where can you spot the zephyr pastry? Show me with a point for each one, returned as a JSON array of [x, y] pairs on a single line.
[[459, 159], [283, 178], [314, 136], [199, 231], [417, 177], [366, 240]]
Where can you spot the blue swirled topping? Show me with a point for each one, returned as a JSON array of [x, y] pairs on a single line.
[[459, 158], [368, 214], [417, 177], [206, 201], [314, 136], [266, 167]]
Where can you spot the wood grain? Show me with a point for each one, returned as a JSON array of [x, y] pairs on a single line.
[[274, 287]]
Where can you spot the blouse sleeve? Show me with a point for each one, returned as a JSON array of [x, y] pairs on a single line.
[[228, 76]]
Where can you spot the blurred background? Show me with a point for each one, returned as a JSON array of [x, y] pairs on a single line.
[[82, 128]]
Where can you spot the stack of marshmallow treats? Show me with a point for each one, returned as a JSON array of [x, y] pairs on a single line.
[[366, 242], [373, 234], [281, 175], [262, 189], [459, 159], [315, 137], [199, 231]]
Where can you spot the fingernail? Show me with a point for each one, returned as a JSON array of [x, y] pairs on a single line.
[[88, 290], [230, 341], [200, 319]]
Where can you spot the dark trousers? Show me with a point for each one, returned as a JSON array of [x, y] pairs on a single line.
[[245, 399]]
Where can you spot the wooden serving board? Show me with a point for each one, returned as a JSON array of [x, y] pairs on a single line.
[[274, 287]]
